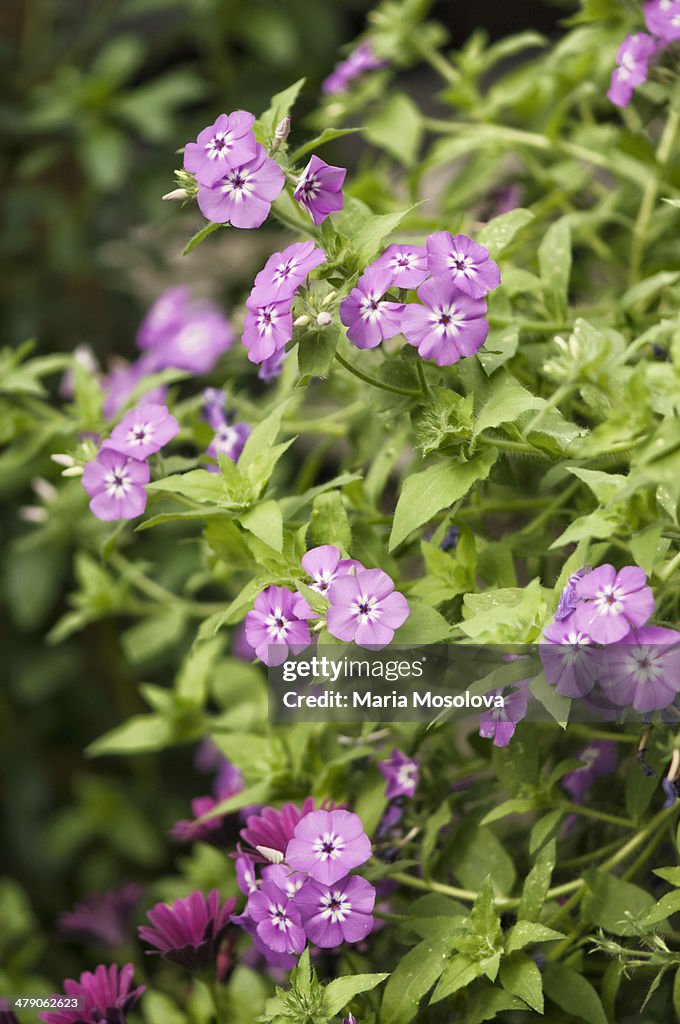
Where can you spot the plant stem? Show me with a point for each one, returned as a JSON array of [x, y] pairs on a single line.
[[554, 400], [649, 195], [591, 812], [421, 377], [376, 383]]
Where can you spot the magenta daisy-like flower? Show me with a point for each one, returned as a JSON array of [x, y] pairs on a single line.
[[278, 624], [243, 197], [7, 1016], [448, 326], [401, 774], [229, 440], [467, 264], [368, 317], [267, 329], [103, 918], [328, 844], [115, 483], [277, 919], [284, 272], [336, 912], [227, 143], [104, 995], [319, 190], [270, 831], [189, 931], [499, 724], [143, 431], [663, 19], [407, 264], [324, 565], [632, 60], [642, 670], [611, 603], [366, 609]]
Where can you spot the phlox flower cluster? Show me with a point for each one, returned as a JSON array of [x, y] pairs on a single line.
[[601, 647], [364, 608], [662, 18], [451, 275]]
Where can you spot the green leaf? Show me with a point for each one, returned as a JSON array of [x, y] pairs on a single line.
[[529, 933], [328, 523], [327, 135], [613, 904], [197, 484], [199, 236], [341, 991], [517, 805], [266, 522], [460, 972], [194, 675], [263, 436], [316, 351], [521, 977], [477, 853], [423, 626], [374, 229], [573, 994], [397, 127], [428, 492], [506, 402], [667, 905], [140, 734], [280, 106], [554, 261], [500, 232], [414, 975], [537, 883]]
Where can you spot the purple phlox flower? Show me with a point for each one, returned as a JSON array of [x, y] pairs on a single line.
[[632, 60], [229, 440], [274, 959], [103, 918], [166, 315], [243, 197], [448, 325], [270, 830], [467, 264], [324, 565], [407, 264], [213, 410], [499, 723], [568, 600], [278, 624], [570, 660], [267, 329], [319, 190], [366, 609], [123, 378], [401, 774], [600, 758], [271, 366], [221, 146], [360, 60], [189, 931], [328, 844], [663, 19], [115, 483], [643, 669], [284, 272], [611, 602], [105, 996], [288, 881], [246, 875], [391, 818], [336, 912], [240, 647], [143, 431], [368, 317], [197, 344], [277, 918]]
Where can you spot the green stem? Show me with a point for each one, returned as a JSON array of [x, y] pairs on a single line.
[[423, 381], [554, 400], [591, 812], [649, 195], [436, 60], [376, 383]]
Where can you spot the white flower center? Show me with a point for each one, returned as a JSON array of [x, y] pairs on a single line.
[[335, 906], [117, 482], [328, 846], [365, 609], [279, 916], [139, 434], [277, 624], [609, 600]]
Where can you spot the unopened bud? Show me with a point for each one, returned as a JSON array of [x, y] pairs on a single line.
[[44, 489], [327, 299], [33, 514], [63, 460], [281, 134], [73, 471], [324, 319], [177, 194], [301, 321]]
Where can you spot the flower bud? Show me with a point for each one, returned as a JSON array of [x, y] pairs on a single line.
[[176, 194], [324, 319], [73, 471], [281, 133], [301, 321], [44, 489], [33, 514], [63, 460]]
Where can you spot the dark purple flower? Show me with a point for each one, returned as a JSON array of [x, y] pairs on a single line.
[[189, 931], [115, 484], [229, 440], [360, 60], [227, 143], [340, 911], [143, 431], [460, 261], [568, 599], [499, 723], [663, 19], [450, 538], [611, 602], [369, 318], [284, 272], [600, 758], [319, 190], [328, 844], [407, 264], [324, 565], [278, 624], [448, 326], [277, 919], [270, 831], [103, 918], [105, 997], [632, 60], [243, 197], [267, 329], [401, 773], [643, 669], [366, 609]]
